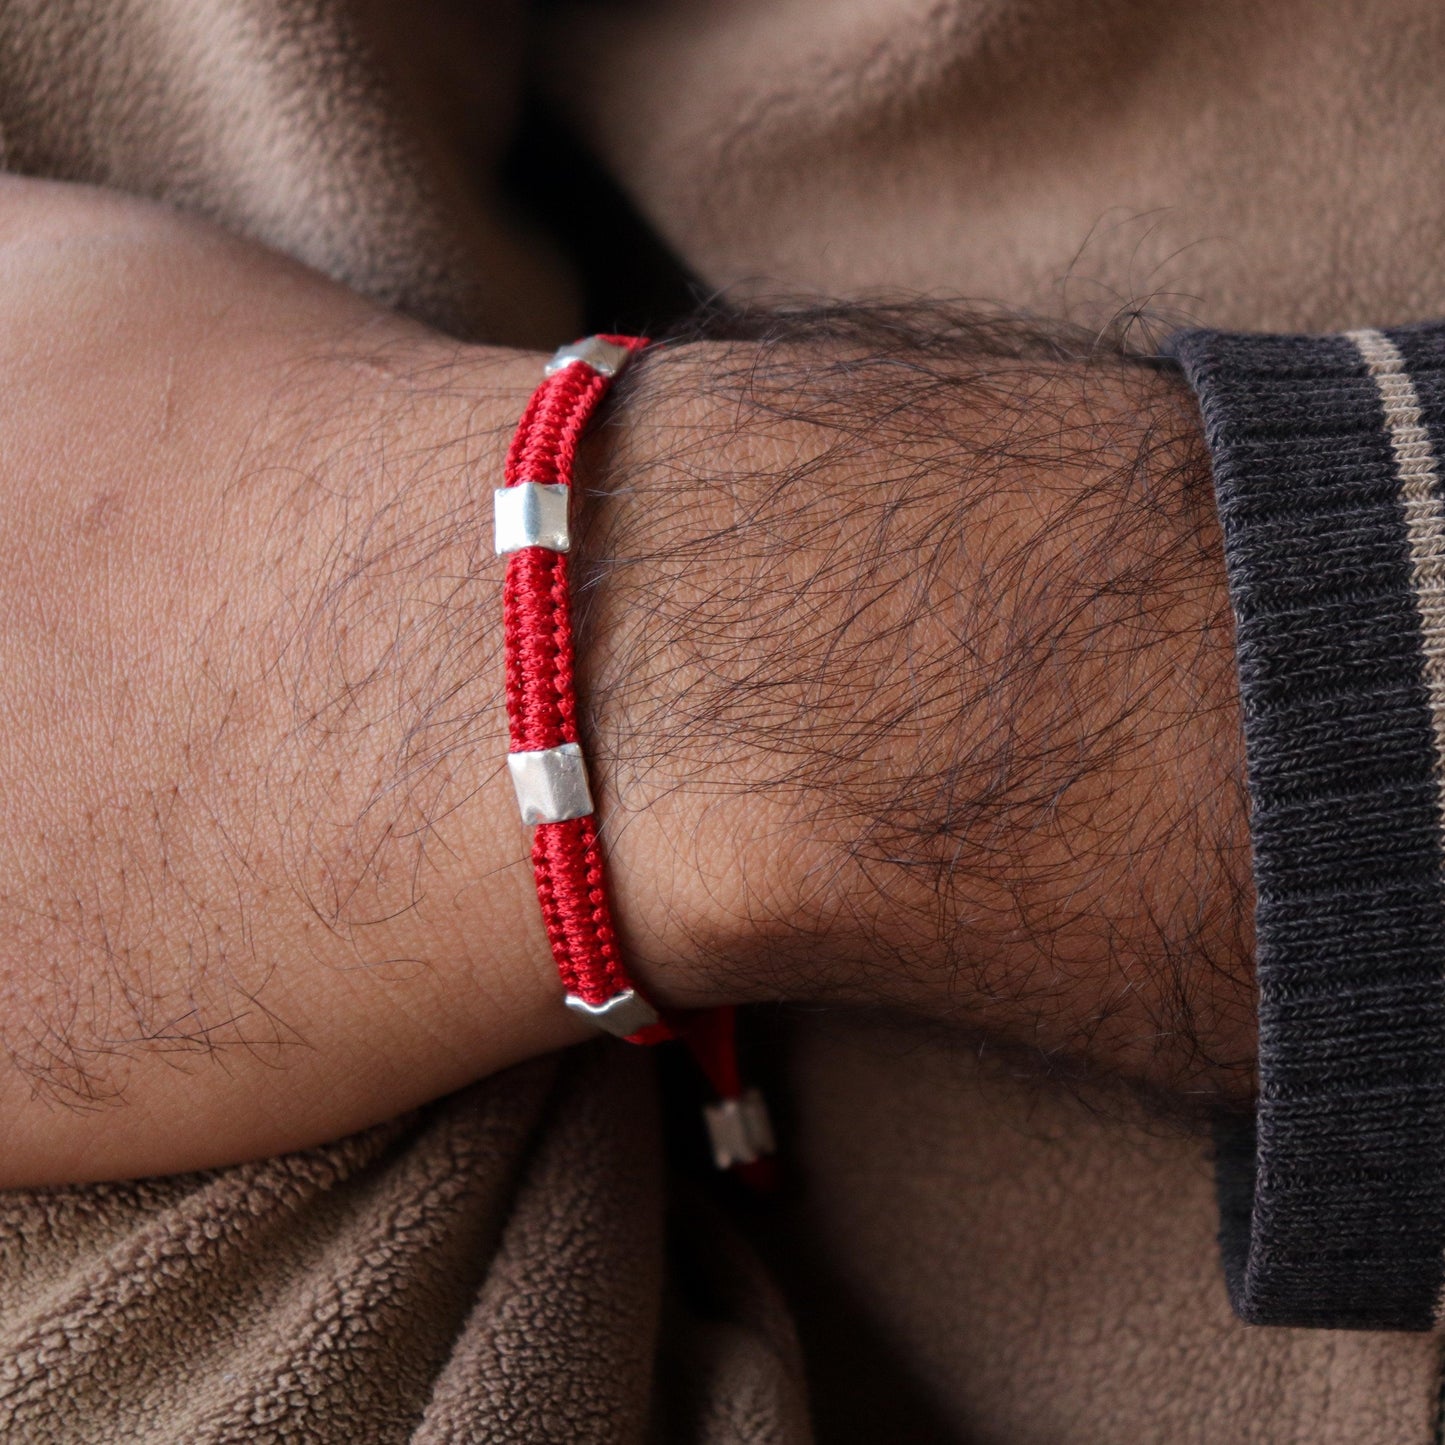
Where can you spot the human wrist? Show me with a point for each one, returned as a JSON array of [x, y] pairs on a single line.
[[1052, 858]]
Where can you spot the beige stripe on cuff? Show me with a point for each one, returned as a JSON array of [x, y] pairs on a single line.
[[1415, 468]]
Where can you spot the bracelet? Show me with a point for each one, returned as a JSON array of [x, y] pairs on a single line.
[[545, 757]]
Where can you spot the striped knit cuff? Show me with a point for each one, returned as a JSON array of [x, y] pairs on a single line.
[[1325, 464]]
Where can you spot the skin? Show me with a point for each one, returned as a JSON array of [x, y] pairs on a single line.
[[227, 928], [263, 880], [925, 674]]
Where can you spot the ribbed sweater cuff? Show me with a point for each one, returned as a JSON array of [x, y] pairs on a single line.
[[1325, 465]]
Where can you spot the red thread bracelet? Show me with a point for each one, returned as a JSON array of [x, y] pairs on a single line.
[[545, 757]]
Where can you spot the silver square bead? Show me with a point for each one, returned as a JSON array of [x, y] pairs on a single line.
[[531, 514], [623, 1015], [551, 784], [739, 1130], [606, 358]]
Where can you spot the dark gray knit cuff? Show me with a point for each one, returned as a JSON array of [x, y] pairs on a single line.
[[1325, 463]]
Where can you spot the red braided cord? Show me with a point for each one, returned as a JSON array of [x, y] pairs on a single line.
[[542, 699], [542, 714]]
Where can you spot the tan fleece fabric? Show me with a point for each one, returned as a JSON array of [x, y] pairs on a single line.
[[967, 1257], [1257, 165], [356, 137], [489, 1269]]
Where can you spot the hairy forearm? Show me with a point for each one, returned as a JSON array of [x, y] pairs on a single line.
[[261, 878], [906, 675], [912, 637]]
